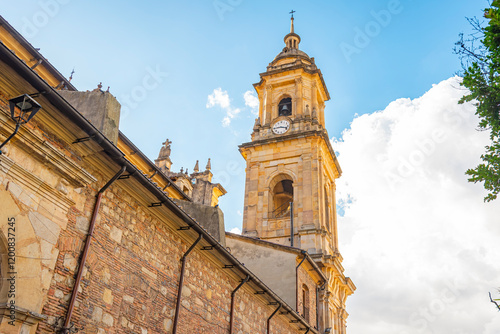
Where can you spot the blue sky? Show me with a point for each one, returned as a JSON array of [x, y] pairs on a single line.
[[398, 84], [198, 46]]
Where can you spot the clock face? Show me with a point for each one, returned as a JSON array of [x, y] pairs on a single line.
[[281, 127]]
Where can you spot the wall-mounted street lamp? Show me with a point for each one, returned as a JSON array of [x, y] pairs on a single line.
[[22, 110]]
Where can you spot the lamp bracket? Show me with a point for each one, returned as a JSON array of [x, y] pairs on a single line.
[[81, 140]]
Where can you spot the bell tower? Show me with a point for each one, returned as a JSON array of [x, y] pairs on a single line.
[[291, 171]]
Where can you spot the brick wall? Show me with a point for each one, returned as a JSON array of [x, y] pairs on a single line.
[[131, 278]]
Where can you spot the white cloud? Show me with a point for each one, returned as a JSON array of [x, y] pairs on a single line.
[[417, 238], [235, 230], [218, 98], [230, 114], [221, 98], [251, 101]]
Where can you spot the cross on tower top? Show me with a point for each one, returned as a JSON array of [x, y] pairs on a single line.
[[292, 13]]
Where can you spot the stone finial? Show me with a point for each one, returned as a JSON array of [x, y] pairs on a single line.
[[98, 89], [314, 113], [197, 167], [165, 150], [182, 170], [186, 172], [257, 123], [209, 165], [291, 25]]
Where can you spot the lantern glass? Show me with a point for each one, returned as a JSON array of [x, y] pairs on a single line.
[[23, 108]]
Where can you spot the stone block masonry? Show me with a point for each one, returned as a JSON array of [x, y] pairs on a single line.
[[130, 283]]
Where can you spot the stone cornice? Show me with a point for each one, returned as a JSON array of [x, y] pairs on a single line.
[[44, 151], [38, 186], [303, 134], [20, 314]]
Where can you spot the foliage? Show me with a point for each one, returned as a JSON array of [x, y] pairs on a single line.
[[480, 56]]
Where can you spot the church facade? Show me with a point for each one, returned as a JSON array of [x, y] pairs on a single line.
[[96, 238]]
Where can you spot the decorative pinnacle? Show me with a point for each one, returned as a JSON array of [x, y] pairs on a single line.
[[197, 167], [209, 165], [291, 24]]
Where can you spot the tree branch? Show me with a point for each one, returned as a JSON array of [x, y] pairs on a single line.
[[494, 302]]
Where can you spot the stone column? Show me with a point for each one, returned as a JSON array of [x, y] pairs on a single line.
[[250, 210], [314, 94], [299, 97], [269, 104]]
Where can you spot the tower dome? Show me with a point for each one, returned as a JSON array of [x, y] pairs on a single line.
[[291, 49]]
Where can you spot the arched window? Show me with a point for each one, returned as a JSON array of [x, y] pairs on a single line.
[[285, 107], [282, 197], [305, 302]]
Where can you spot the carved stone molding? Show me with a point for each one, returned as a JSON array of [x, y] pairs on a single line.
[[47, 154], [20, 315], [35, 184]]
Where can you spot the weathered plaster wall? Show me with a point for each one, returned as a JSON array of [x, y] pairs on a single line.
[[101, 108], [276, 268]]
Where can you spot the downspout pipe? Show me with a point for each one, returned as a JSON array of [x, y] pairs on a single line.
[[297, 281], [318, 289], [181, 283], [292, 232], [272, 315], [233, 294], [86, 247]]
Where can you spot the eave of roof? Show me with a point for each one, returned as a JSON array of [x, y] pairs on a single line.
[[36, 54]]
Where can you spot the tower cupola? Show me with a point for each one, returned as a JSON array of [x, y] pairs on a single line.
[[292, 40]]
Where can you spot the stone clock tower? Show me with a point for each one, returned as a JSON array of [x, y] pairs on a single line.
[[291, 170]]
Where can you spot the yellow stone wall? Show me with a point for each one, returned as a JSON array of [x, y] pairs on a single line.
[[302, 160]]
